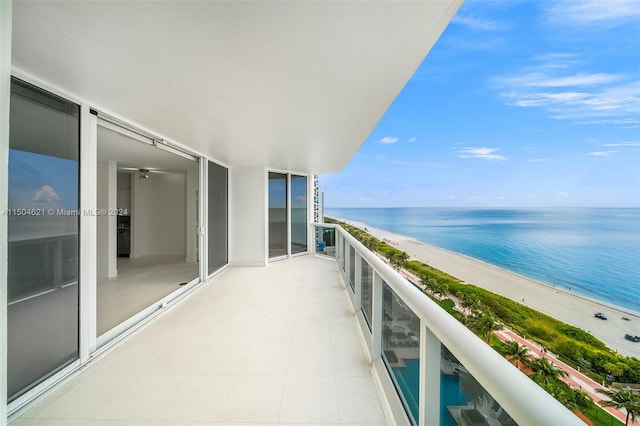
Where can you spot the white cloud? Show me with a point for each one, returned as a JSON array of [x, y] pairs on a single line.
[[563, 194], [479, 24], [365, 199], [412, 139], [622, 144], [602, 153], [538, 160], [46, 194], [484, 153], [389, 140], [590, 98], [450, 197], [594, 11], [539, 79]]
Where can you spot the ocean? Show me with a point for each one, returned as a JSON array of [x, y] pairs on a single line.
[[593, 252]]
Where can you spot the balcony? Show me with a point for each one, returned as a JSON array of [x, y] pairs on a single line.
[[308, 340]]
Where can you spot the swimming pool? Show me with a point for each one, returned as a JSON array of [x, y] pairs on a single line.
[[408, 380]]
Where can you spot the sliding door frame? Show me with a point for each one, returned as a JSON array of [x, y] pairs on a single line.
[[289, 222]]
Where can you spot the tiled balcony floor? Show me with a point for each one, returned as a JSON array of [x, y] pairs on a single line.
[[255, 346]]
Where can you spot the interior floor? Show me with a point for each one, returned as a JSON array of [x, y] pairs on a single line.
[[140, 282]]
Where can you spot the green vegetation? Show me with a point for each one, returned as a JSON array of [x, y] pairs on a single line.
[[490, 311], [577, 347], [623, 398]]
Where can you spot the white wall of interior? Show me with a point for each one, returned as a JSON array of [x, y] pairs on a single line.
[[159, 215], [247, 216], [5, 90], [107, 265], [193, 182]]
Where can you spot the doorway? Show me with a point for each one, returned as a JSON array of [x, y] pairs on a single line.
[[146, 246]]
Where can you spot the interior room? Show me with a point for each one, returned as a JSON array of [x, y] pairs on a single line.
[[147, 222]]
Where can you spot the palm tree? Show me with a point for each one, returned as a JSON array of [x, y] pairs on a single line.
[[391, 257], [473, 389], [485, 323], [622, 398], [545, 371], [401, 260], [516, 352]]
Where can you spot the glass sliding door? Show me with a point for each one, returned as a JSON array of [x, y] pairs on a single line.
[[299, 221], [278, 220], [148, 251], [42, 236], [218, 223]]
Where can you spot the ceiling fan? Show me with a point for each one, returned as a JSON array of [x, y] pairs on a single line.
[[144, 172]]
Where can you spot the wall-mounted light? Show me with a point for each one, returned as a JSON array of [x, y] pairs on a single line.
[[144, 173]]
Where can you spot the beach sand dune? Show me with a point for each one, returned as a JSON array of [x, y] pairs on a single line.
[[568, 307]]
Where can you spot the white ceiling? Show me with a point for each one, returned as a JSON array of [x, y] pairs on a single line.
[[133, 154], [286, 85]]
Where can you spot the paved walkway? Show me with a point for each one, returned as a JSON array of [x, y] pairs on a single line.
[[576, 379]]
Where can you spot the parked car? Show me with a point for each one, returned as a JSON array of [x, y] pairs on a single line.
[[632, 338], [600, 315]]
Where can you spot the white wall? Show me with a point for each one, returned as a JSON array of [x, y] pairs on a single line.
[[158, 215], [193, 182], [106, 236], [247, 216], [5, 89]]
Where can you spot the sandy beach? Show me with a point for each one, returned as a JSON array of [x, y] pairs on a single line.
[[568, 307]]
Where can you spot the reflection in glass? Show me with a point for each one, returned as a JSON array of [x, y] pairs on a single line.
[[43, 219], [352, 268], [325, 241], [367, 292], [463, 400], [401, 349], [277, 214], [299, 223], [218, 252]]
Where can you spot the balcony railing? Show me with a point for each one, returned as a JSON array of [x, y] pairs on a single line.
[[431, 368]]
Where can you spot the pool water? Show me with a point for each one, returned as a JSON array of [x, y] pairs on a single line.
[[408, 380]]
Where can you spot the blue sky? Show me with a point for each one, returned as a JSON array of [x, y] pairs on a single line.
[[39, 181], [519, 104]]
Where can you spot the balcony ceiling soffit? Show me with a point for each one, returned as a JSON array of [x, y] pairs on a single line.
[[287, 85]]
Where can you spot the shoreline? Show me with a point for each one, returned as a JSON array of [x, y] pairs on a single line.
[[571, 308]]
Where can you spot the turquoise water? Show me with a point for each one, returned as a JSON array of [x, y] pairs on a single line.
[[407, 379], [594, 252]]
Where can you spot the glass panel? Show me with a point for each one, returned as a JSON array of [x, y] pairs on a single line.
[[277, 214], [42, 236], [401, 349], [352, 268], [150, 249], [299, 219], [463, 400], [218, 234], [325, 241], [342, 254], [367, 292]]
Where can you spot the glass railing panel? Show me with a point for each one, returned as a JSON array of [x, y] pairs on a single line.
[[352, 268], [463, 400], [401, 349], [366, 276], [325, 241], [342, 251]]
